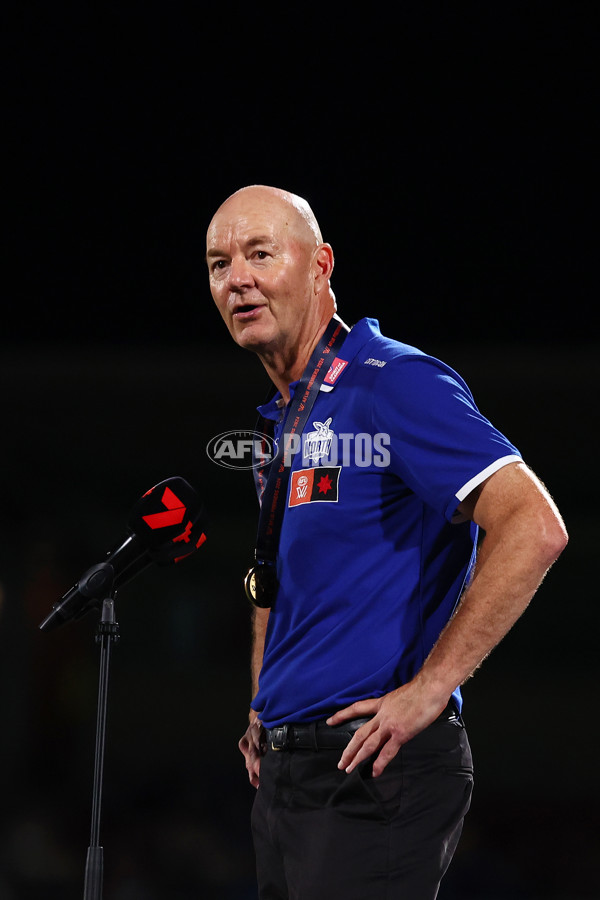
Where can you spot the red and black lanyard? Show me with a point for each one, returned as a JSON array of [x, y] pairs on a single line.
[[274, 495]]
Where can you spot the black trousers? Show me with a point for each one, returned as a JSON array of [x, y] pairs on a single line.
[[320, 833]]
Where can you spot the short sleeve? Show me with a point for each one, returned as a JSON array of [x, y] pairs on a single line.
[[439, 442]]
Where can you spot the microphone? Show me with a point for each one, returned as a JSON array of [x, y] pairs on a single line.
[[166, 525]]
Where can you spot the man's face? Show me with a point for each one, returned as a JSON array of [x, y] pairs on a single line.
[[260, 271]]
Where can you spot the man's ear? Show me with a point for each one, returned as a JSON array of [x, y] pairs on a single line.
[[323, 266]]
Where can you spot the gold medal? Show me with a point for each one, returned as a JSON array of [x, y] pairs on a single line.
[[261, 585]]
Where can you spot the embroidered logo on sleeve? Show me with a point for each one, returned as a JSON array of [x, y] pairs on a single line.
[[380, 363], [315, 485]]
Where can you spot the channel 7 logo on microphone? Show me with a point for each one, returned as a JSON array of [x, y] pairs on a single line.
[[241, 449]]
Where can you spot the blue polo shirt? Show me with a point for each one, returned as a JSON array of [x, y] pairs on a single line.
[[372, 556]]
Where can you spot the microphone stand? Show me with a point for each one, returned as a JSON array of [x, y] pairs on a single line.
[[107, 633]]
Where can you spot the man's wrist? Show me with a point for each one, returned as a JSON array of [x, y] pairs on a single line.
[[434, 690]]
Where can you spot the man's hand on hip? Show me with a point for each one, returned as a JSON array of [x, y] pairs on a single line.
[[253, 746], [397, 717]]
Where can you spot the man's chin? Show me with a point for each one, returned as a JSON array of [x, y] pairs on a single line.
[[252, 336]]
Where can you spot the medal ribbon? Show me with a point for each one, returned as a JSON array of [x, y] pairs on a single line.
[[275, 492]]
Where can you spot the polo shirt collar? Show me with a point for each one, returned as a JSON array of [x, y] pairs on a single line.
[[357, 337]]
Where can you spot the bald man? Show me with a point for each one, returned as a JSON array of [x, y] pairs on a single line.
[[372, 606]]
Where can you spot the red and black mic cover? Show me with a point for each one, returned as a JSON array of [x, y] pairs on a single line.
[[170, 521]]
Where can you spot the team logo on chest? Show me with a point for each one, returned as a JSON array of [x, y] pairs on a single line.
[[317, 444], [315, 485]]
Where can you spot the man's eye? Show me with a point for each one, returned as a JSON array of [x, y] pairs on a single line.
[[261, 254]]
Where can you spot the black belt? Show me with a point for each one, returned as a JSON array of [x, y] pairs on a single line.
[[320, 736], [312, 735]]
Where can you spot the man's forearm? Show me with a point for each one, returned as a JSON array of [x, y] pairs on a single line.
[[259, 629]]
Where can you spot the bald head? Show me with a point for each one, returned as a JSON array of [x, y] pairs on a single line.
[[296, 212]]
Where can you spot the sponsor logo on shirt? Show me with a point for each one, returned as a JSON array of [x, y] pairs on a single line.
[[335, 370], [380, 363], [315, 485]]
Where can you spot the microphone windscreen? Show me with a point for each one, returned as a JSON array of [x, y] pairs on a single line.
[[170, 520]]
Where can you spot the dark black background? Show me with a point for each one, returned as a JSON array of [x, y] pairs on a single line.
[[449, 154]]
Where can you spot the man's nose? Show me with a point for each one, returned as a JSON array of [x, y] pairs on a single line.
[[240, 274]]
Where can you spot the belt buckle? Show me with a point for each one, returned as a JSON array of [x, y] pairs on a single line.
[[279, 734]]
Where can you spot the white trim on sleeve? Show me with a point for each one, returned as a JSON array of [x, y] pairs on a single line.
[[478, 479]]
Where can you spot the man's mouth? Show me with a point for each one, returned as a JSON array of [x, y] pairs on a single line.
[[246, 310]]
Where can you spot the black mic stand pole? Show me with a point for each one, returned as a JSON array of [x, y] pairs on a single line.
[[107, 633]]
